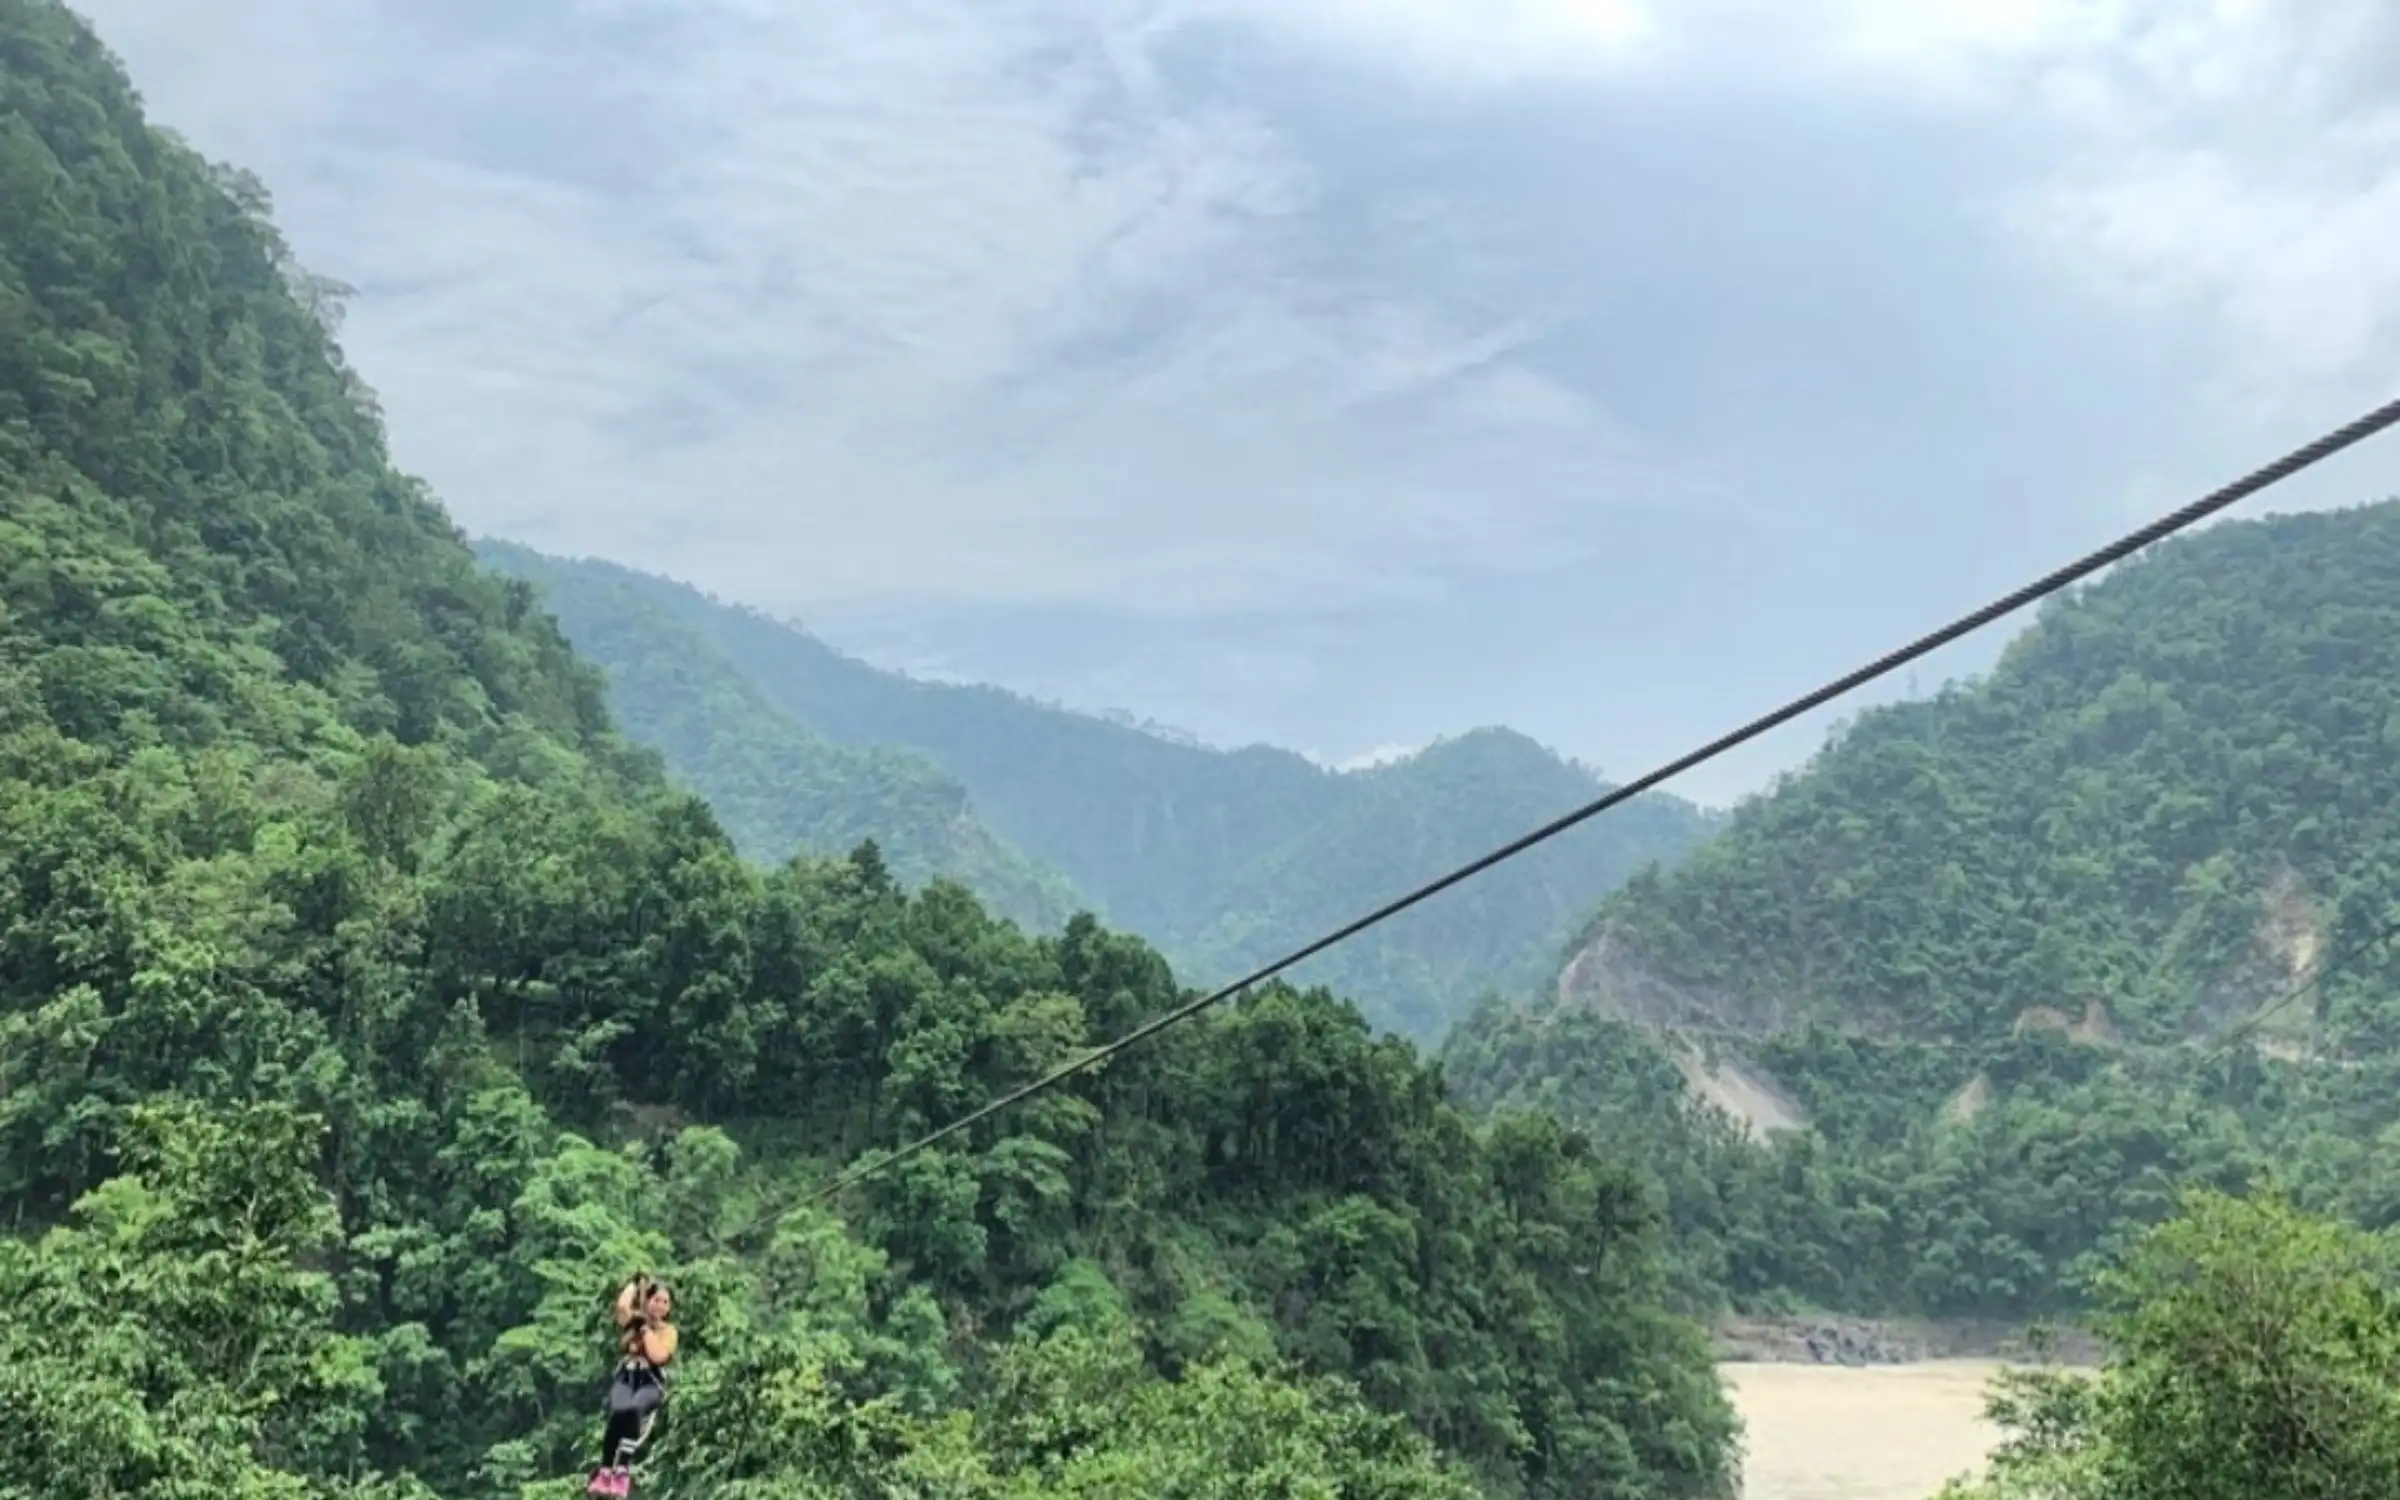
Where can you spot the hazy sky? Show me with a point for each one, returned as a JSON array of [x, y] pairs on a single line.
[[1337, 373]]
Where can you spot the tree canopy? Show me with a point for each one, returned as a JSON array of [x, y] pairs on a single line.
[[370, 1010], [2254, 1354]]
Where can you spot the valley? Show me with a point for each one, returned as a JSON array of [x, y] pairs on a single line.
[[1227, 859], [407, 944]]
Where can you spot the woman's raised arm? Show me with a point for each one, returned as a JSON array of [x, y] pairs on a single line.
[[658, 1342]]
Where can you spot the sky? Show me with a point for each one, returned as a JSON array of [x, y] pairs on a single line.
[[1338, 374]]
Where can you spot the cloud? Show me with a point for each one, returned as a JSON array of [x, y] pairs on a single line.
[[2233, 158], [2301, 269], [1474, 42], [1320, 371], [779, 295], [1952, 40], [1380, 755]]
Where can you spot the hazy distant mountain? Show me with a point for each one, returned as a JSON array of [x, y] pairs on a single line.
[[1223, 858]]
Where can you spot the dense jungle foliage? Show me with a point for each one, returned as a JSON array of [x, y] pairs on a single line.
[[368, 1012], [2253, 1354], [1897, 1203], [1226, 860], [2031, 955]]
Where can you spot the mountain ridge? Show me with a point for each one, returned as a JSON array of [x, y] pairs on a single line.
[[1226, 857], [1996, 974], [781, 788], [2204, 836]]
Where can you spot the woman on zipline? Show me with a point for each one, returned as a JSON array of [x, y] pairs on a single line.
[[638, 1390]]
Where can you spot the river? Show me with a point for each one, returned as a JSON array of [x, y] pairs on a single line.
[[1882, 1432]]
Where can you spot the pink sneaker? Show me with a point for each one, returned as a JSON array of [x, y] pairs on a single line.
[[603, 1483], [620, 1484]]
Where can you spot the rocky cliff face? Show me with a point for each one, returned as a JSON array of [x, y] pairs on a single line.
[[1702, 1028], [1860, 1342], [1715, 1032]]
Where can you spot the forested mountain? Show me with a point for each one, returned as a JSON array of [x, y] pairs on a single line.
[[2174, 795], [778, 788], [2021, 954], [1225, 859], [368, 1013]]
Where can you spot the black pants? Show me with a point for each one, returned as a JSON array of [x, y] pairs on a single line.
[[635, 1398]]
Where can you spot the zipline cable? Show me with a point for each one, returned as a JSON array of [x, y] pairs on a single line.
[[2199, 510]]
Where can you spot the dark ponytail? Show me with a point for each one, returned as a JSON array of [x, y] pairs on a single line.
[[645, 1286]]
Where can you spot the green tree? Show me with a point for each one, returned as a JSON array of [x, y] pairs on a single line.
[[2254, 1354]]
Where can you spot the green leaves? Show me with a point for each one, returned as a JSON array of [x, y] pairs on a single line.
[[1072, 1415], [175, 1338], [2254, 1354]]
